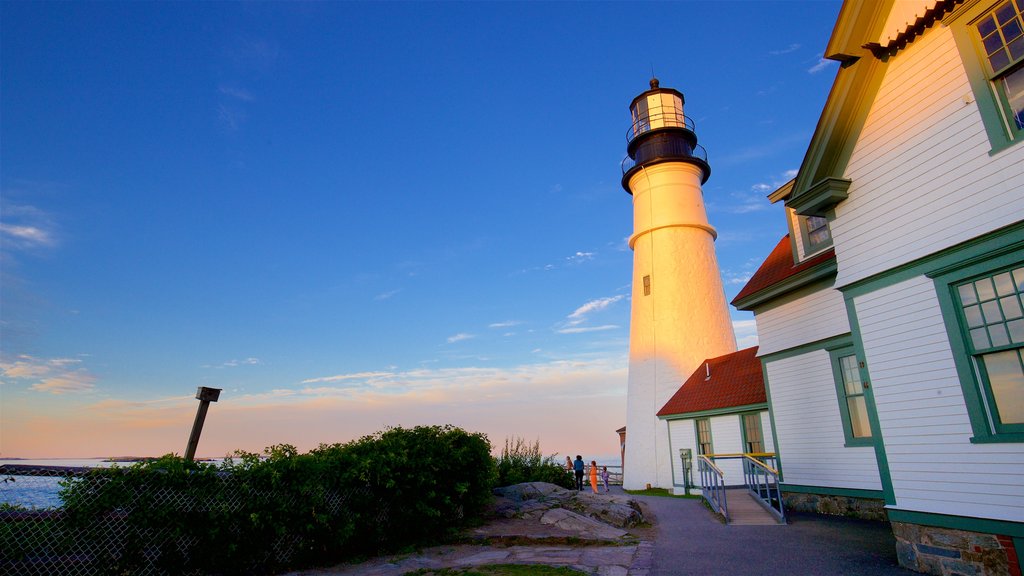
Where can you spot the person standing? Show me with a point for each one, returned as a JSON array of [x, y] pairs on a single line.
[[604, 477], [593, 476], [577, 467], [568, 465]]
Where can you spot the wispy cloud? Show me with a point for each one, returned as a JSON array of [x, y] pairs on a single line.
[[786, 50], [505, 324], [746, 333], [246, 362], [460, 337], [387, 295], [26, 227], [584, 329], [353, 376], [820, 65], [237, 93], [55, 375], [580, 257], [580, 314]]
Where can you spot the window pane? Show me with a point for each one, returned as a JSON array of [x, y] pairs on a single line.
[[1005, 13], [992, 312], [1014, 85], [1016, 48], [1011, 307], [1004, 284], [986, 26], [998, 334], [858, 417], [967, 293], [1018, 274], [1011, 30], [1006, 379], [985, 289], [973, 314], [999, 60], [979, 337], [1016, 329], [851, 375], [993, 44]]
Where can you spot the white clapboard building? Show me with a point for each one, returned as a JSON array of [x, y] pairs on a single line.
[[890, 317]]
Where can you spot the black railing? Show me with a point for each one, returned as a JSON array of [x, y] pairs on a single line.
[[659, 120], [697, 152]]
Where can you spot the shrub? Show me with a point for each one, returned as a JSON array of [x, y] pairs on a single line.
[[261, 513], [522, 462]]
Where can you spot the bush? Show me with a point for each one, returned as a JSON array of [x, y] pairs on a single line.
[[522, 462], [261, 513]]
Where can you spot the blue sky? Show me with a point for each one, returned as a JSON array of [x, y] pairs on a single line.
[[355, 215]]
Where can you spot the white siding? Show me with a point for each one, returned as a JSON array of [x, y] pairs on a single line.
[[934, 466], [727, 438], [810, 428], [683, 435], [811, 314], [766, 432], [922, 176]]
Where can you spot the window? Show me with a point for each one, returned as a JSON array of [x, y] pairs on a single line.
[[853, 406], [990, 36], [1002, 35], [753, 440], [991, 315], [704, 436], [647, 285], [815, 232]]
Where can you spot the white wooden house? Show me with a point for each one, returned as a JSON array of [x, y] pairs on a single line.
[[890, 320], [720, 409]]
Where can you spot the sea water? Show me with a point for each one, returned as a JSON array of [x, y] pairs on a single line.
[[31, 491]]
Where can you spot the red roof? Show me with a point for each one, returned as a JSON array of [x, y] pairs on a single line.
[[779, 266], [736, 380]]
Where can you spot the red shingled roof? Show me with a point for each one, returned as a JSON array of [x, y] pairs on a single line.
[[736, 380], [779, 266]]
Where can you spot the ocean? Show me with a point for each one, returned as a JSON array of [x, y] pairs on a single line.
[[32, 491]]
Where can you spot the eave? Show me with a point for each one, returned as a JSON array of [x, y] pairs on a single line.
[[826, 269]]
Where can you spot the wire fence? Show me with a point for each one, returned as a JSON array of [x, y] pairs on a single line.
[[56, 521]]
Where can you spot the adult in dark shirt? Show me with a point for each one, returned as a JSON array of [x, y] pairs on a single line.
[[578, 466]]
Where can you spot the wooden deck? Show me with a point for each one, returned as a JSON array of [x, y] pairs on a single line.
[[745, 511]]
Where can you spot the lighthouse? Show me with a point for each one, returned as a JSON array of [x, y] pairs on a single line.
[[679, 314]]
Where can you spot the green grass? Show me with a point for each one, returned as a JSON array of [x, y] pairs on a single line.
[[661, 492], [498, 570]]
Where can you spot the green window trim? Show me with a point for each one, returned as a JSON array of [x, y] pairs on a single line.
[[993, 105], [851, 390], [702, 435], [982, 408]]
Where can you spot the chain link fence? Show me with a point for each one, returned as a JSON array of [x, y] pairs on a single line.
[[56, 521]]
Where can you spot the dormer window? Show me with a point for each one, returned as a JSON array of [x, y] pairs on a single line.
[[815, 232]]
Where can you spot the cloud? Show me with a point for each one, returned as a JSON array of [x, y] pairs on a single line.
[[55, 376], [26, 228], [460, 337], [580, 257], [237, 93], [786, 50], [246, 362], [68, 382], [746, 333], [353, 376], [387, 295], [819, 66], [583, 329], [230, 117], [579, 315], [505, 324]]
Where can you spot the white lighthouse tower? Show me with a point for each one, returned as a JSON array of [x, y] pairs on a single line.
[[679, 314]]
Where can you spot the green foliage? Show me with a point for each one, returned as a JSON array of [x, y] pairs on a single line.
[[262, 513], [522, 462]]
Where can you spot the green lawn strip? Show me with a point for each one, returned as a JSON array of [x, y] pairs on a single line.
[[661, 492], [498, 570]]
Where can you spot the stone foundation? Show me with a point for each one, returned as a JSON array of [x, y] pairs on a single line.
[[866, 508], [943, 551]]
